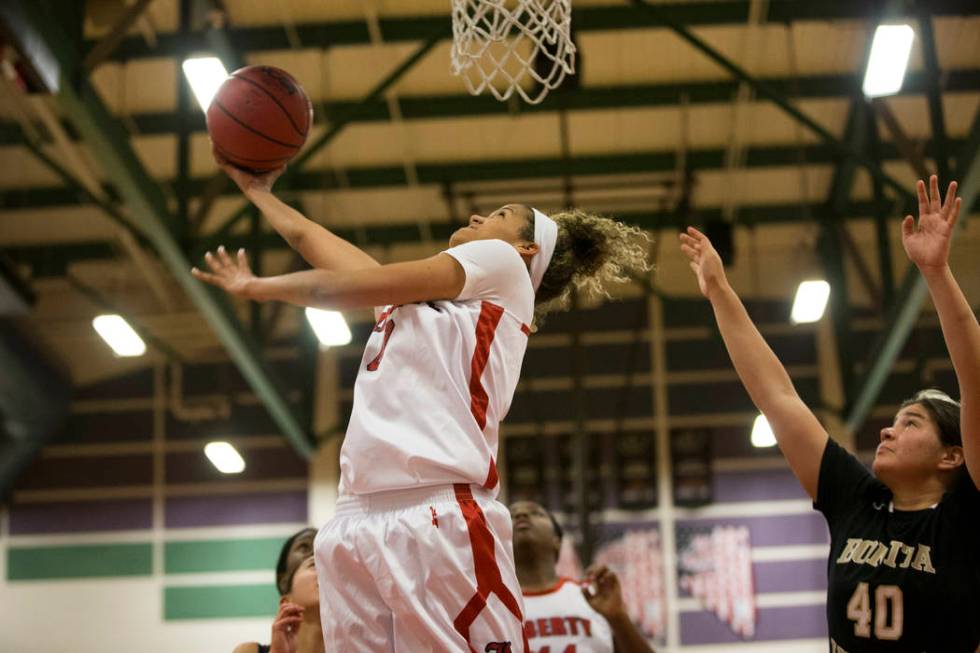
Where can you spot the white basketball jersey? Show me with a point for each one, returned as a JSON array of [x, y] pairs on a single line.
[[560, 620], [437, 378]]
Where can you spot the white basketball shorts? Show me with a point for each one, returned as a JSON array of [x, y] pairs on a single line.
[[428, 569]]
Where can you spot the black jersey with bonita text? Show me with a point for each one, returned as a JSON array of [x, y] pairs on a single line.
[[898, 581]]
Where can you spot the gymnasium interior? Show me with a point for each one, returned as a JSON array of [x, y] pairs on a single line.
[[744, 118]]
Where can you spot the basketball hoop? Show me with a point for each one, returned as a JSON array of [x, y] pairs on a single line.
[[513, 45]]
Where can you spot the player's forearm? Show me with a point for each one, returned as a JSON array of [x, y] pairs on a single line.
[[627, 637], [962, 335], [317, 245], [763, 376], [959, 325], [312, 288]]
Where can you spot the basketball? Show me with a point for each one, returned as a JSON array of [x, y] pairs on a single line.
[[259, 118]]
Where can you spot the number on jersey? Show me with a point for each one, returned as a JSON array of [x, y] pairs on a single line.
[[889, 613]]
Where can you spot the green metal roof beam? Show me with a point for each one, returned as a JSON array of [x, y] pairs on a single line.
[[494, 170], [416, 28], [586, 98], [109, 145], [52, 259], [766, 91]]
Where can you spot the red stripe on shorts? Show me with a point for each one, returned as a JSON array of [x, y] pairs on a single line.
[[486, 327], [492, 479], [488, 579]]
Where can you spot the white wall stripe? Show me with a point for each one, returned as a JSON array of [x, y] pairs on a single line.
[[615, 516], [262, 576], [777, 646], [233, 532], [767, 600], [747, 509], [790, 552], [146, 535], [80, 539]]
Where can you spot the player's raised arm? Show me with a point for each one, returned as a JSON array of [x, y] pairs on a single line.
[[431, 279], [800, 436], [317, 245], [927, 244]]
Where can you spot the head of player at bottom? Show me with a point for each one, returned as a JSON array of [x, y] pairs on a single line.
[[923, 445], [537, 545]]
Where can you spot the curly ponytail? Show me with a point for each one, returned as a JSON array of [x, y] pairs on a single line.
[[591, 252]]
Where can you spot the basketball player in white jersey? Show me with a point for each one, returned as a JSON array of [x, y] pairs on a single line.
[[418, 555], [560, 614]]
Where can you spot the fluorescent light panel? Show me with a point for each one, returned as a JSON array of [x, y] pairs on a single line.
[[205, 75], [810, 302], [889, 58], [119, 335], [762, 435], [225, 457], [329, 326]]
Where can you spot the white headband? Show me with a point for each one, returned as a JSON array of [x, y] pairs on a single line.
[[545, 235]]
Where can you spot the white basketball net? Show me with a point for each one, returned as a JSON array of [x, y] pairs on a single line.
[[496, 44]]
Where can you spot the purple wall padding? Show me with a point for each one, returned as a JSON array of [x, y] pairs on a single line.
[[81, 516], [787, 576], [798, 622], [805, 528], [756, 485], [233, 509]]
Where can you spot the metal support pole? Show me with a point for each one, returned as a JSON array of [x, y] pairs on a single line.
[[881, 218], [109, 146], [933, 94]]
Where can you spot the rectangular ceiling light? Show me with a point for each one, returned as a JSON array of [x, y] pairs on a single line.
[[119, 335], [762, 435], [225, 457], [329, 326], [889, 57], [810, 302], [205, 75]]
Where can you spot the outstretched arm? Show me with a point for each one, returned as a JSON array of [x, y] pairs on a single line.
[[927, 245], [800, 436], [431, 279], [318, 246]]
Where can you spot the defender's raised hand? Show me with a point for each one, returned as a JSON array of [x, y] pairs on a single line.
[[704, 260], [927, 242], [230, 274]]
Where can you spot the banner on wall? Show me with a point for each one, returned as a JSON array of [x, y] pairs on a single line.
[[637, 559], [714, 564]]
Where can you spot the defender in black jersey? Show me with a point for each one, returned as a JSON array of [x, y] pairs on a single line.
[[904, 567]]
